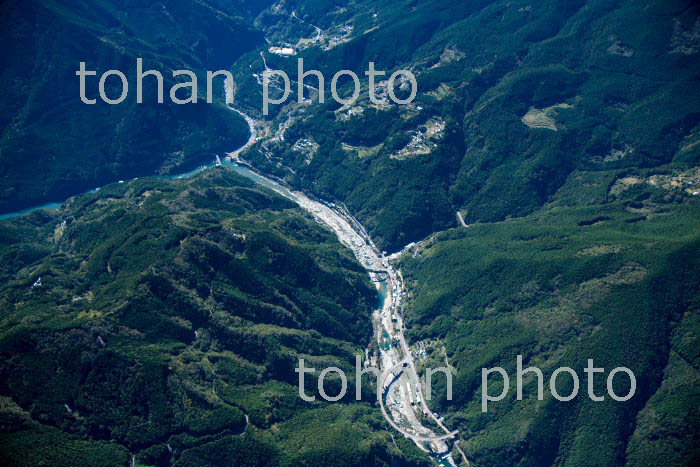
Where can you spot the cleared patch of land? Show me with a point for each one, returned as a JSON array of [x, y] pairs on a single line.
[[543, 118]]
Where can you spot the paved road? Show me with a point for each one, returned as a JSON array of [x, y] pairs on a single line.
[[352, 234]]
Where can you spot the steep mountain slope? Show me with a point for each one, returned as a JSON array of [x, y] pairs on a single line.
[[563, 134], [168, 322], [616, 283], [78, 146], [578, 118], [513, 97]]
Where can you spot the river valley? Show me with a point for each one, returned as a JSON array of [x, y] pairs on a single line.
[[402, 401]]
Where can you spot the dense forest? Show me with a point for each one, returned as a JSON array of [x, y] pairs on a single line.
[[523, 94], [614, 282], [541, 195], [167, 323], [78, 147]]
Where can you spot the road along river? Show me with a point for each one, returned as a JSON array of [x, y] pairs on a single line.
[[402, 403]]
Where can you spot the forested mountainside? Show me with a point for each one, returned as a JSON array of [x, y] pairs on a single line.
[[541, 193], [617, 283], [78, 146], [168, 322], [565, 135], [513, 96]]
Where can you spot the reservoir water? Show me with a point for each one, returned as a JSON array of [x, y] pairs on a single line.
[[57, 205]]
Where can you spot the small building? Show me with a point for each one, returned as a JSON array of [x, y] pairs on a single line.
[[285, 51]]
